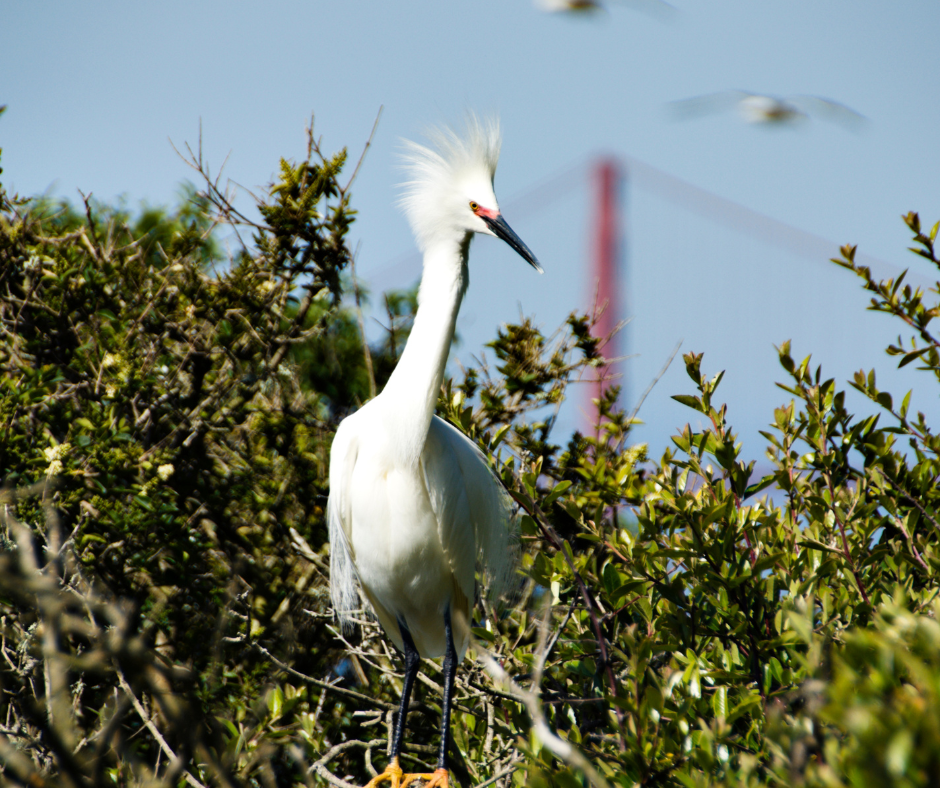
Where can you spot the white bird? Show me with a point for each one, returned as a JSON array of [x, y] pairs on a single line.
[[413, 505], [653, 7], [767, 110], [568, 6]]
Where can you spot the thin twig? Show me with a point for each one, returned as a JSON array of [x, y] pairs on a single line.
[[901, 527], [655, 380], [324, 684], [155, 732], [917, 505], [590, 603], [561, 749], [319, 767], [366, 353], [365, 150], [499, 775]]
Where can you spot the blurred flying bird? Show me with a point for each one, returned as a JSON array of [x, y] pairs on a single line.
[[567, 6], [767, 110], [653, 7], [414, 507]]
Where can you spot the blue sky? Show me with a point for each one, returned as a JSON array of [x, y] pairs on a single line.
[[97, 91]]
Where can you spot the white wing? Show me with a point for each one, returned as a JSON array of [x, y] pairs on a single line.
[[471, 506], [696, 106], [830, 110], [343, 581]]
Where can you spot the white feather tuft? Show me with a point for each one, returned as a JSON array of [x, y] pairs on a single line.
[[344, 583], [429, 198]]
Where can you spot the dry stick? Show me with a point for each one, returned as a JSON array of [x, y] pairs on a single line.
[[55, 678], [360, 652], [366, 353], [558, 747], [320, 769], [365, 150], [490, 720], [369, 767], [536, 513], [490, 690], [18, 764], [499, 775], [155, 732], [314, 146], [301, 546], [218, 198], [8, 496], [295, 329], [95, 247], [324, 684], [561, 627], [655, 380]]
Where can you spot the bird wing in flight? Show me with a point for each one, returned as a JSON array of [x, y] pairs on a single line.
[[472, 508], [696, 106], [830, 110]]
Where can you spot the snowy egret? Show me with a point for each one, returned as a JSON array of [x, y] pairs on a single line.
[[768, 110], [413, 503]]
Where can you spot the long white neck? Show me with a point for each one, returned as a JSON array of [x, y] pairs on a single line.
[[411, 393]]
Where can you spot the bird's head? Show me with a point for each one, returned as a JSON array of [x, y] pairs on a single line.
[[450, 189]]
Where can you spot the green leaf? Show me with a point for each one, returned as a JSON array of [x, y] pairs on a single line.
[[541, 571], [767, 562], [654, 697], [763, 484], [904, 405], [557, 490], [751, 702], [528, 526], [612, 579], [275, 702], [693, 402], [484, 634], [720, 702], [498, 436], [816, 545], [898, 754], [629, 587]]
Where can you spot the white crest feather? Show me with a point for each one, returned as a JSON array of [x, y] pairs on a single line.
[[431, 196]]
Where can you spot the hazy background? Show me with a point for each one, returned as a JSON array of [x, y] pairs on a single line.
[[97, 91]]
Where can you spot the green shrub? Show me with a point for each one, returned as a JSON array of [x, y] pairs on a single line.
[[165, 421]]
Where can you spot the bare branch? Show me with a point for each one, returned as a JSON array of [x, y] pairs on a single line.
[[558, 747], [155, 732]]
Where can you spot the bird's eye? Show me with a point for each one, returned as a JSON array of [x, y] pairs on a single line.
[[474, 206]]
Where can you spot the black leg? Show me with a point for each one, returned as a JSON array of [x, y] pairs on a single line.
[[450, 668], [412, 661]]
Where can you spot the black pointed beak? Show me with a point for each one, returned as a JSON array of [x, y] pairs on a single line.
[[502, 230]]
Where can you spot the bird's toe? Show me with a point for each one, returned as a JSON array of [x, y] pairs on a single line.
[[392, 774], [438, 779]]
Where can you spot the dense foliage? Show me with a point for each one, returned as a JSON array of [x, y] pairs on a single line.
[[165, 420]]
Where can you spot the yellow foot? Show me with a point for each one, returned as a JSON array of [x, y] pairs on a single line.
[[392, 774], [438, 779]]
